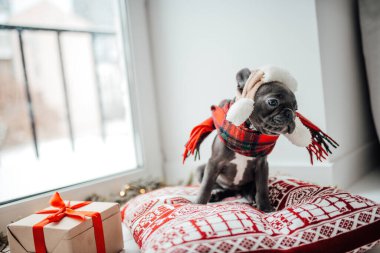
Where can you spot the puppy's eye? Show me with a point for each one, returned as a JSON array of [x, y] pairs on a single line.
[[272, 102]]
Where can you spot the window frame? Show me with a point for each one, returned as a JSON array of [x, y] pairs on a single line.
[[145, 121]]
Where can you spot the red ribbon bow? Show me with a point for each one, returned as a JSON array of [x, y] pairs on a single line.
[[69, 211]]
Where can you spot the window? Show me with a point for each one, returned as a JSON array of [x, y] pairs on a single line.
[[65, 110]]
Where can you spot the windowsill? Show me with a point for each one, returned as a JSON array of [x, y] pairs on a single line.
[[92, 159]]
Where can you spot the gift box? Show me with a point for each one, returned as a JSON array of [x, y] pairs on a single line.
[[69, 226]]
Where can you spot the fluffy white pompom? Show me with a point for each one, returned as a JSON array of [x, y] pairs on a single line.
[[273, 73], [240, 111], [301, 135]]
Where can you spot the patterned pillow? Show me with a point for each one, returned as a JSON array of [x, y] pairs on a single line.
[[308, 218]]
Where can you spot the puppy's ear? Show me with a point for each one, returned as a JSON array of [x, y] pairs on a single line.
[[241, 78]]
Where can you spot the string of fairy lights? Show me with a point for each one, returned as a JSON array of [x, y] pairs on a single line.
[[130, 190]]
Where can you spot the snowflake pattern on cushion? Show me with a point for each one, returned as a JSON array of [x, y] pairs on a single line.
[[308, 218]]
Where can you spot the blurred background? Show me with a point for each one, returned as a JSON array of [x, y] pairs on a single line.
[[65, 92]]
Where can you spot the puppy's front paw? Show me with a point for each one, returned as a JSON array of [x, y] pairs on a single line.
[[263, 204], [266, 208], [201, 201], [217, 195], [214, 198]]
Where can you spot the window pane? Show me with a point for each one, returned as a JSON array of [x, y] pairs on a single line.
[[65, 117]]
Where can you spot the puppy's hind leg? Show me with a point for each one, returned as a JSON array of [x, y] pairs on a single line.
[[219, 194]]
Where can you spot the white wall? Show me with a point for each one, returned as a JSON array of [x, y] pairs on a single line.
[[198, 46]]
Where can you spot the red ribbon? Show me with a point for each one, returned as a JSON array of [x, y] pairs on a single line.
[[69, 211]]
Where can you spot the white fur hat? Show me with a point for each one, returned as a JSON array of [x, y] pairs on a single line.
[[243, 107]]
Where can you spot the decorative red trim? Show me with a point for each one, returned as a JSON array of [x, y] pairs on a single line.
[[341, 243]]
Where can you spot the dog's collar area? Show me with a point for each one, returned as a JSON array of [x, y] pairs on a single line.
[[253, 143], [241, 139], [249, 125]]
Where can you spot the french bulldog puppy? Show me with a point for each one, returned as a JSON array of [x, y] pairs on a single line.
[[228, 173]]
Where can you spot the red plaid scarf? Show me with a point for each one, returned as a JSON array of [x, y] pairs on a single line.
[[248, 142]]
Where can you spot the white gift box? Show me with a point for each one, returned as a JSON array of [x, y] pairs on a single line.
[[69, 235]]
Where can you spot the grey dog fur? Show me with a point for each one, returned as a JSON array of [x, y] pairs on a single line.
[[217, 177]]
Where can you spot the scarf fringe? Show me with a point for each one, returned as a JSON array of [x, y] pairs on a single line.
[[320, 141], [197, 135]]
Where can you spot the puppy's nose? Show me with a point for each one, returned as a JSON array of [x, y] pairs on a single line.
[[288, 113]]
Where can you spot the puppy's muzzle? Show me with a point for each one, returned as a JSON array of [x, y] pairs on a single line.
[[286, 116], [285, 119]]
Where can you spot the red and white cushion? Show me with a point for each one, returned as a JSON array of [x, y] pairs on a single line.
[[308, 218]]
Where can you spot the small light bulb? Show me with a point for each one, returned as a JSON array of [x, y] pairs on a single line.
[[142, 191], [122, 193]]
